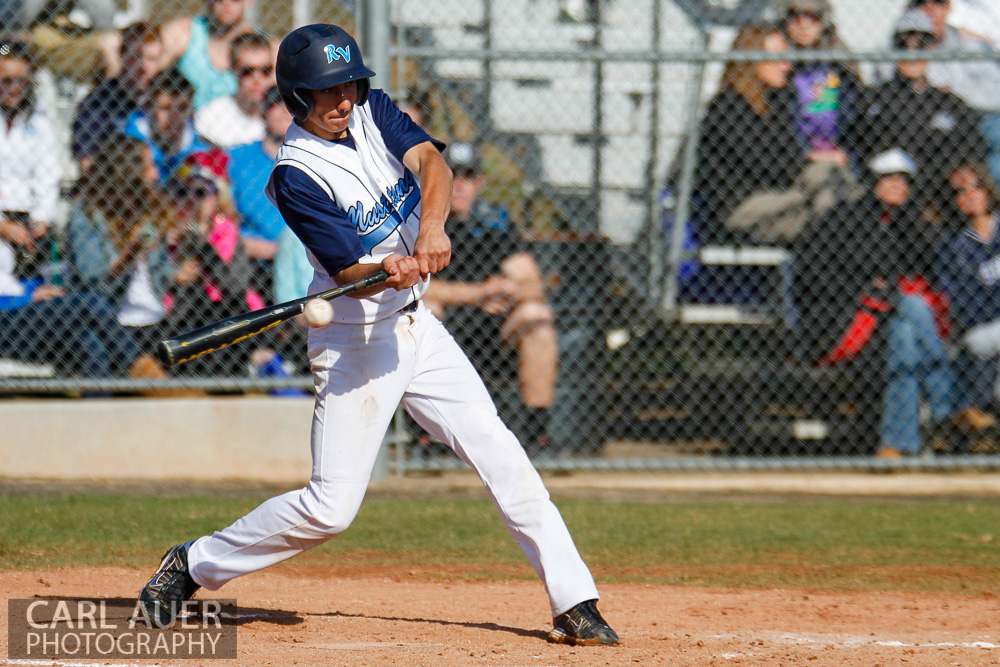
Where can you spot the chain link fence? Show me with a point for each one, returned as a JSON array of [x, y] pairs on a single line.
[[753, 233]]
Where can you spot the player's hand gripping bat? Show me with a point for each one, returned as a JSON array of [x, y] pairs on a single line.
[[232, 330]]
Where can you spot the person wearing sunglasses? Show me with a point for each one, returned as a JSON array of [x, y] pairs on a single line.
[[977, 82], [933, 125], [238, 119], [201, 46]]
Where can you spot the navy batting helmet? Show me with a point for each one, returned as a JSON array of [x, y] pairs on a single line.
[[315, 57]]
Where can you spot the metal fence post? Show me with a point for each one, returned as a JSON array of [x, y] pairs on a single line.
[[302, 12], [373, 18], [682, 211]]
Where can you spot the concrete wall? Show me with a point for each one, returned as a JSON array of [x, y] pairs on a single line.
[[257, 438]]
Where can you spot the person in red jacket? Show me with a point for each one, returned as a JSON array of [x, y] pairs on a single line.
[[854, 287]]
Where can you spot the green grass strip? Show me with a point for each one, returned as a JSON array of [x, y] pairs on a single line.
[[934, 546]]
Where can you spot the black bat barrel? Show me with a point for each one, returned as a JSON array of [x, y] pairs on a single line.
[[224, 333], [231, 330]]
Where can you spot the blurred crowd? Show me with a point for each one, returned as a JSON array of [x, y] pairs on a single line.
[[883, 194], [880, 186], [167, 226]]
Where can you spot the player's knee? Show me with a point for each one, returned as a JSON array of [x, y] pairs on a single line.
[[332, 511]]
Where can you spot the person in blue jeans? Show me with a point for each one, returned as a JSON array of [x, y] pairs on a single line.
[[863, 287], [967, 268], [916, 366]]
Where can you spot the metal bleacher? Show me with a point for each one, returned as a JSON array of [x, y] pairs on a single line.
[[571, 105]]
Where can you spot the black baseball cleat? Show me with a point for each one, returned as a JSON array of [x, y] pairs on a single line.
[[583, 626], [171, 585]]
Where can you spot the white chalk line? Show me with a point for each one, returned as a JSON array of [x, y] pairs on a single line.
[[851, 641]]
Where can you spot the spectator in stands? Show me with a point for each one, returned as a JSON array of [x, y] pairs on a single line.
[[166, 123], [237, 119], [29, 162], [419, 107], [976, 82], [293, 273], [976, 18], [106, 108], [854, 275], [756, 181], [201, 47], [72, 38], [117, 239], [968, 267], [496, 303], [75, 331], [935, 126], [826, 91], [249, 168], [213, 277]]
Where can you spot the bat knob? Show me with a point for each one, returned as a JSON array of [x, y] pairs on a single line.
[[164, 353]]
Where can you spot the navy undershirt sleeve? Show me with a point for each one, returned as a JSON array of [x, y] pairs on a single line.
[[398, 130], [319, 222]]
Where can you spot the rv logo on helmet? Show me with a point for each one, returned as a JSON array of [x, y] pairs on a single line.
[[337, 52]]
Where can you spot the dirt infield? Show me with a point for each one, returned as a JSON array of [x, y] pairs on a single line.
[[330, 616]]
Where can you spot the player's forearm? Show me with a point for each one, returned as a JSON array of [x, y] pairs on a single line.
[[403, 273], [357, 272], [435, 198], [434, 177]]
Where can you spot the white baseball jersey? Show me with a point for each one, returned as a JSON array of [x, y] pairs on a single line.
[[349, 202], [372, 195]]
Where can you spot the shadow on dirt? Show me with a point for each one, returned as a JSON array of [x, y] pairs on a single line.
[[493, 627]]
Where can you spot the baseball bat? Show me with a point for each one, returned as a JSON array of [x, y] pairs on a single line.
[[231, 330]]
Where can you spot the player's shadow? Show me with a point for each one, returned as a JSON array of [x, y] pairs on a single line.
[[122, 609], [493, 627]]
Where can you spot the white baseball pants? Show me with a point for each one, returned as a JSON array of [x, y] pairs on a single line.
[[362, 372]]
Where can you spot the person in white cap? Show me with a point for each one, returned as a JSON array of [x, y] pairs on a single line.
[[862, 290]]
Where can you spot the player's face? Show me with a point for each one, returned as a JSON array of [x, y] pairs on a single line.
[[332, 108]]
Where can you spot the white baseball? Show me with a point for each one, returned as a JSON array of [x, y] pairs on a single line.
[[318, 312]]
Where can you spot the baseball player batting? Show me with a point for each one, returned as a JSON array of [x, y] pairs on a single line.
[[367, 190]]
